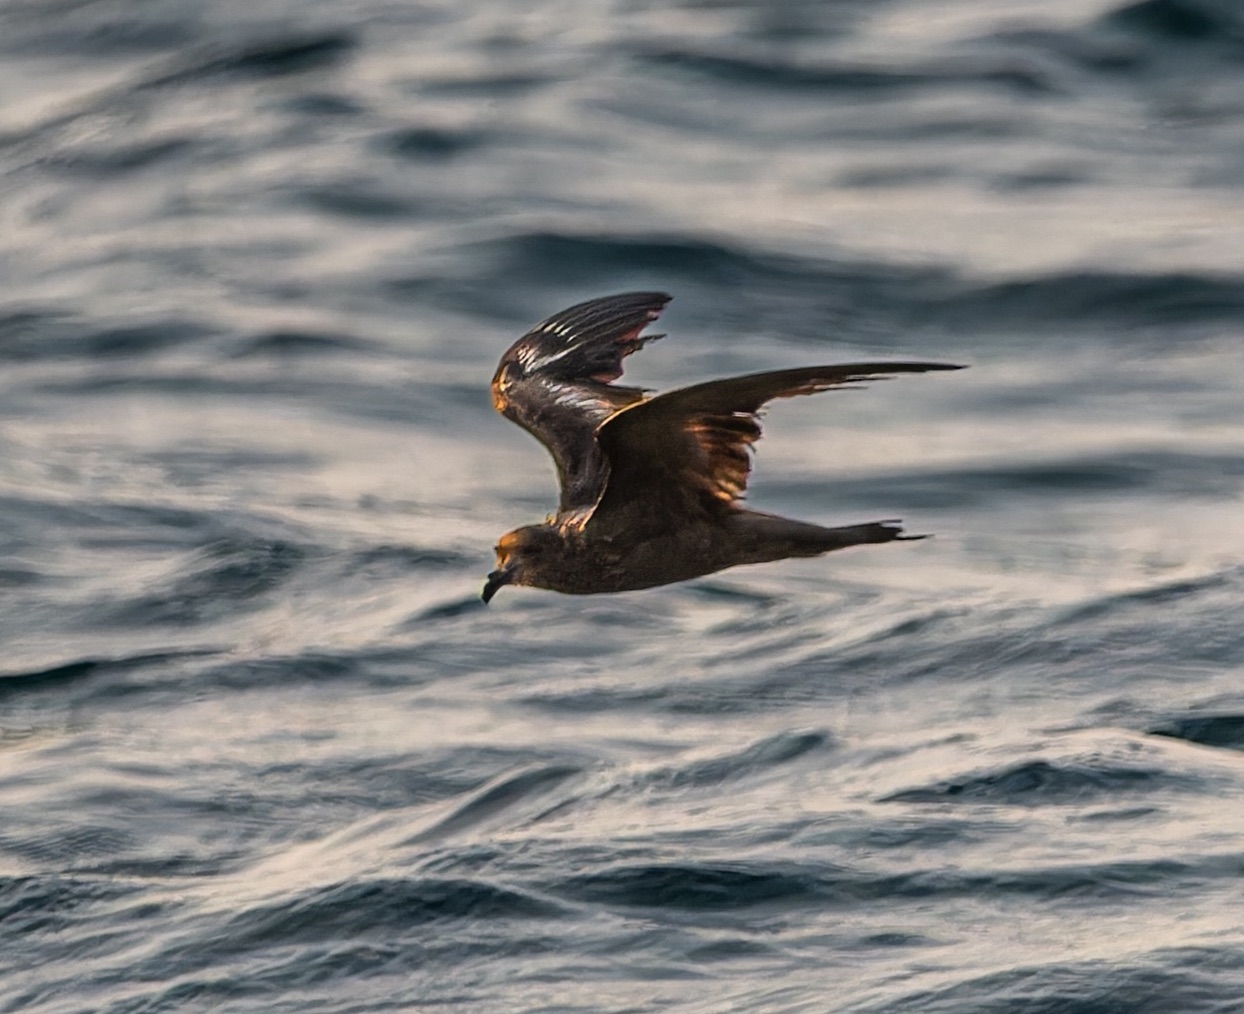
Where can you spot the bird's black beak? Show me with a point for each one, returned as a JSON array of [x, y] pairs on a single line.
[[496, 580]]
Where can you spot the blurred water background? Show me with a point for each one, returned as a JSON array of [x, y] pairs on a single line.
[[261, 749]]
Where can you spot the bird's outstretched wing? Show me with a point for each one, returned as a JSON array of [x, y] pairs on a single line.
[[688, 451], [556, 383]]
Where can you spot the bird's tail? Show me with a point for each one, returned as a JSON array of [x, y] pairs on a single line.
[[775, 538]]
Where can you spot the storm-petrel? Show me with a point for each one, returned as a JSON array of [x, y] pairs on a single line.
[[651, 486]]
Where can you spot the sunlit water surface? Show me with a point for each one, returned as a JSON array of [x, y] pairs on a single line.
[[261, 748]]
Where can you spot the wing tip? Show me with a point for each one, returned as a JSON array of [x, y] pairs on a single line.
[[917, 366], [860, 372]]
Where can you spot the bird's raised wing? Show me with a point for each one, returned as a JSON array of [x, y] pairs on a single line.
[[688, 451], [556, 383]]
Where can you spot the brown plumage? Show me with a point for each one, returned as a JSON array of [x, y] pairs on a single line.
[[651, 487]]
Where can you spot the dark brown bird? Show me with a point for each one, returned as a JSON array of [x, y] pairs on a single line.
[[651, 487]]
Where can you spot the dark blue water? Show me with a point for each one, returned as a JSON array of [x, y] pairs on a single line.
[[261, 749]]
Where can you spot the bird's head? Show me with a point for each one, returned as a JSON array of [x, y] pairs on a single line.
[[520, 554]]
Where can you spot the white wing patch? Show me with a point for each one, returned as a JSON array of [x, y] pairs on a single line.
[[531, 361], [574, 397]]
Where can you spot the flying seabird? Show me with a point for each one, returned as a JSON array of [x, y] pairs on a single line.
[[651, 485]]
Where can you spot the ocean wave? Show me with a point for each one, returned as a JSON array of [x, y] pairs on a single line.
[[819, 296], [1194, 980], [746, 71], [1039, 782], [1217, 730]]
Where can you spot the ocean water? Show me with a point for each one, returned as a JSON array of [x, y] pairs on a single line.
[[262, 748]]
